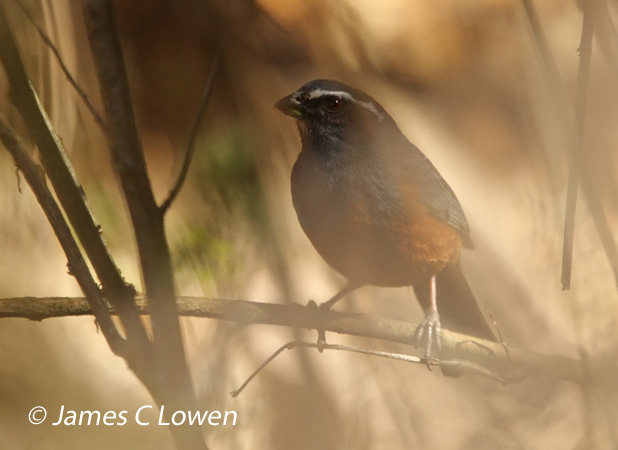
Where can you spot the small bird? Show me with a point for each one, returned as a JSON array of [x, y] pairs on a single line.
[[377, 210]]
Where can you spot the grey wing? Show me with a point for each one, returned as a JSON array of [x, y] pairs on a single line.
[[437, 195]]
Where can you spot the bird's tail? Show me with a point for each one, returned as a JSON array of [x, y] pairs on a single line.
[[457, 305]]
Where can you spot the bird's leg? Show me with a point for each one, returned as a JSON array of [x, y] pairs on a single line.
[[429, 328], [325, 307]]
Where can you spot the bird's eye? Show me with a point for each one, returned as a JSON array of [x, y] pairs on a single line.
[[334, 104]]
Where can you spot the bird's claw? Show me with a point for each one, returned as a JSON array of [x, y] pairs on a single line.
[[320, 311], [428, 333]]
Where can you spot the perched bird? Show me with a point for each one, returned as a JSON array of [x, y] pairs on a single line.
[[377, 210]]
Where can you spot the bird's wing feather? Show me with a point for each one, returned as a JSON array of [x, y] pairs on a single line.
[[433, 190]]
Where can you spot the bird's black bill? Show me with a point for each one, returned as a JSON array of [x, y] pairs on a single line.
[[289, 105]]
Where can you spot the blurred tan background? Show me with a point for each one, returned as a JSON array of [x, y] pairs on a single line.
[[464, 81]]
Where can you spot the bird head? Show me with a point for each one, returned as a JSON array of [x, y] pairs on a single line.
[[330, 111]]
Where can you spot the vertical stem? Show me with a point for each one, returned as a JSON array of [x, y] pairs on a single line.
[[175, 389], [585, 54], [580, 168]]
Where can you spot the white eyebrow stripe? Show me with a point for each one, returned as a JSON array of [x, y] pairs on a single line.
[[317, 93], [323, 92]]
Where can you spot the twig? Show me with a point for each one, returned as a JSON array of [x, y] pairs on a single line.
[[585, 52], [289, 346], [184, 170], [502, 342], [63, 67], [589, 190], [457, 366], [320, 347], [555, 86], [551, 69], [605, 32], [71, 195], [174, 387], [569, 228], [485, 353], [77, 265]]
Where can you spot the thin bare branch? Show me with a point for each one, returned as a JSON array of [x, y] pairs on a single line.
[[556, 89], [551, 68], [605, 32], [320, 347], [70, 193], [555, 86], [289, 346], [585, 53], [585, 177], [35, 177], [80, 92], [174, 387], [457, 366], [490, 355], [184, 170]]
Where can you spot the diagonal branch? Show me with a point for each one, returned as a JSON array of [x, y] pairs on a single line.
[[77, 265], [184, 170], [82, 95], [321, 347], [70, 193]]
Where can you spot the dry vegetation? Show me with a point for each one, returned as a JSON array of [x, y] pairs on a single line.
[[465, 81]]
